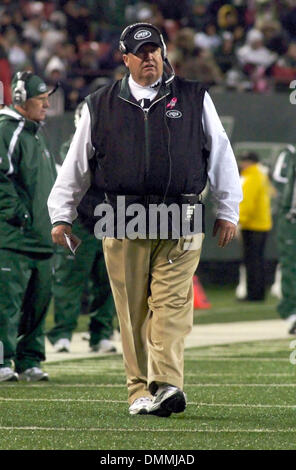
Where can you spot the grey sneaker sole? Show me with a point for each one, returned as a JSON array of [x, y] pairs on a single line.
[[161, 413], [30, 379], [292, 330], [141, 412], [108, 351], [13, 378]]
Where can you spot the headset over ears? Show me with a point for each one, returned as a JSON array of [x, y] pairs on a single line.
[[19, 93], [130, 28]]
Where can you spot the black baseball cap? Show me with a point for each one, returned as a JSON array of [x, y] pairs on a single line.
[[138, 36]]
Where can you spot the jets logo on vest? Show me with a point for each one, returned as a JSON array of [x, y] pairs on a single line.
[[174, 114]]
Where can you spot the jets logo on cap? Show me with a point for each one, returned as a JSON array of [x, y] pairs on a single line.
[[143, 34], [42, 87]]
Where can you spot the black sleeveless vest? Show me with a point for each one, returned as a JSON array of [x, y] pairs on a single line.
[[153, 153]]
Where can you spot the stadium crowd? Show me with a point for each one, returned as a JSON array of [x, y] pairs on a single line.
[[242, 45]]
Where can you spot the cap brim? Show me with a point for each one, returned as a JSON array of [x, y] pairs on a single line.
[[135, 50]]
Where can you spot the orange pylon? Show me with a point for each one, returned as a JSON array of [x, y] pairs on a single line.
[[199, 295]]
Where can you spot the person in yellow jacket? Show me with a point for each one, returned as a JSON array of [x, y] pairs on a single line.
[[255, 222]]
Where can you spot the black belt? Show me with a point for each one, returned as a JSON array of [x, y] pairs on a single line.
[[155, 199]]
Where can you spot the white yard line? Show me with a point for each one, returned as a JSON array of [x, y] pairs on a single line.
[[79, 385], [188, 374], [248, 359], [93, 400], [157, 430]]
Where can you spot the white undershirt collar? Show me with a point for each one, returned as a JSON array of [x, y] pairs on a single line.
[[140, 92]]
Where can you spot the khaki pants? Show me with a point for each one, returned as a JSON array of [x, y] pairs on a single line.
[[154, 303]]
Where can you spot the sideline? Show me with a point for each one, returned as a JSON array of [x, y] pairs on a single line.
[[201, 335]]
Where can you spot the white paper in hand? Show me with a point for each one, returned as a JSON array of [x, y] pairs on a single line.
[[73, 242]]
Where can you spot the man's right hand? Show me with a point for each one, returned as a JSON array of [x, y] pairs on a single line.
[[58, 232]]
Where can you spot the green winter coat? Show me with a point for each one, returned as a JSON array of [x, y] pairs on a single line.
[[27, 174]]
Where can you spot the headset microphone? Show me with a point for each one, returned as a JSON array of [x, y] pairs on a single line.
[[171, 70], [58, 84]]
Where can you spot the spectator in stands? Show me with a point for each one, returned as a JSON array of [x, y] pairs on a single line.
[[183, 47], [289, 59], [5, 78], [54, 34], [274, 38], [17, 55], [199, 16], [208, 38], [174, 9], [256, 59], [288, 20], [227, 18], [225, 54], [254, 53], [76, 92], [192, 62], [32, 29], [78, 20], [284, 70], [44, 24], [203, 68]]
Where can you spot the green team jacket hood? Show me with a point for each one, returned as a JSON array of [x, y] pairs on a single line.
[[27, 174]]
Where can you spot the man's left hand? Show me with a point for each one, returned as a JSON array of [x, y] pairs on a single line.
[[226, 231]]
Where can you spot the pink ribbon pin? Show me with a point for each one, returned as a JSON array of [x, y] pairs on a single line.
[[172, 103]]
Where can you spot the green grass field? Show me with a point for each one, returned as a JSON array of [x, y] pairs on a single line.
[[225, 308], [240, 396]]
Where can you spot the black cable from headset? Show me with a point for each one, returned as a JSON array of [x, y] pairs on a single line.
[[169, 152]]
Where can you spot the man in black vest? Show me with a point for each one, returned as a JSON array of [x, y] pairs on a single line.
[[156, 139]]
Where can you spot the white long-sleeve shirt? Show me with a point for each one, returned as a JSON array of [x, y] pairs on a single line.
[[74, 177]]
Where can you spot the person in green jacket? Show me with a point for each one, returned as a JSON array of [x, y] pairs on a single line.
[[284, 177], [84, 270], [27, 174]]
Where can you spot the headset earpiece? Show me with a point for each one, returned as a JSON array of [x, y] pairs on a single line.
[[19, 93], [122, 47]]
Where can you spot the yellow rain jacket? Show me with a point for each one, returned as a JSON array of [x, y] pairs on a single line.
[[255, 211]]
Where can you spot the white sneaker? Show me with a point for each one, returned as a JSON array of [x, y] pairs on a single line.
[[168, 399], [8, 375], [292, 330], [103, 346], [85, 336], [62, 345], [115, 336], [34, 374], [140, 406]]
